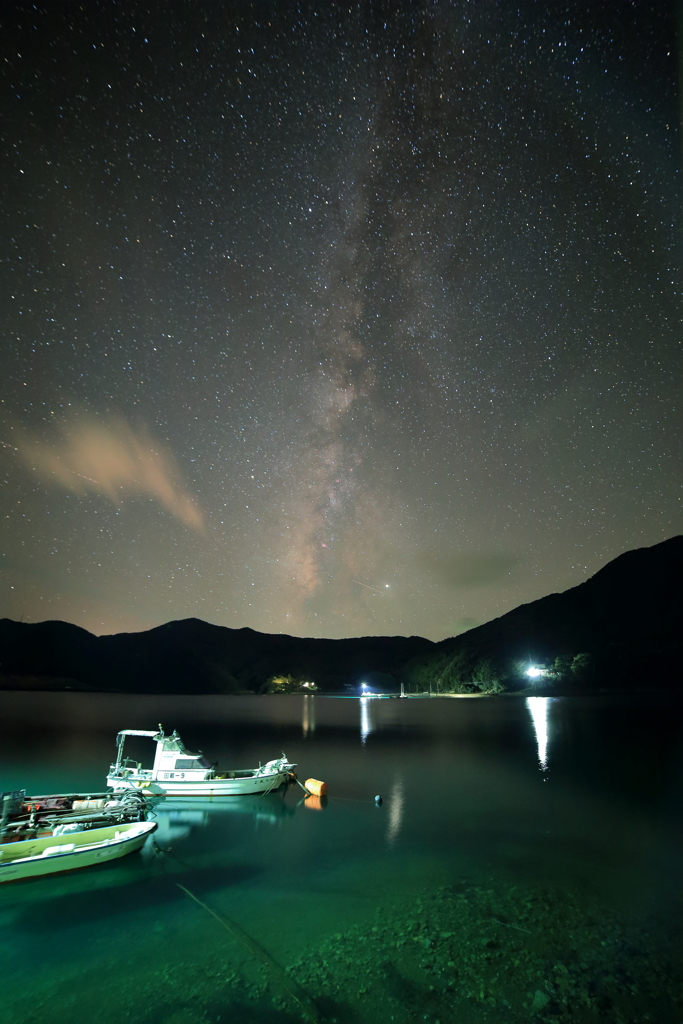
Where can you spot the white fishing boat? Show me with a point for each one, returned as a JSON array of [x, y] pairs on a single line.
[[65, 851], [178, 772]]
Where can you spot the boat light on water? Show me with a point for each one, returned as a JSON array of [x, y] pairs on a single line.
[[178, 772], [65, 851]]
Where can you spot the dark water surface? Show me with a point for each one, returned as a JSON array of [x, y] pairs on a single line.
[[525, 865]]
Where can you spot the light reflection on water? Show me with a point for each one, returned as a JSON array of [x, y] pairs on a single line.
[[366, 717], [308, 714], [396, 798], [539, 708], [463, 806]]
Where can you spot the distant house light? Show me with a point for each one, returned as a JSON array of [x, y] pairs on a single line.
[[536, 673]]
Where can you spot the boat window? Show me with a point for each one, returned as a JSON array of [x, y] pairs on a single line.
[[198, 762]]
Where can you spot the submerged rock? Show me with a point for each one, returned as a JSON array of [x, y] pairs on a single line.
[[527, 951], [540, 1000]]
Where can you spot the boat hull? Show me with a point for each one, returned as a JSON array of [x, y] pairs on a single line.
[[33, 858], [208, 788]]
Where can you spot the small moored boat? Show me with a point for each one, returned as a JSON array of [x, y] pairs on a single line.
[[179, 772], [30, 817], [30, 858]]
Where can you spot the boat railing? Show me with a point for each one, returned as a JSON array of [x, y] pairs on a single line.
[[246, 774], [127, 765]]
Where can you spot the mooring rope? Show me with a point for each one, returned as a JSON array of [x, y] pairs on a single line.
[[293, 990], [300, 783]]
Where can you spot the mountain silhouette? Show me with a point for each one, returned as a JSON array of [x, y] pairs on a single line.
[[622, 627]]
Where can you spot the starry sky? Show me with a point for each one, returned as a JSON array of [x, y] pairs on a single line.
[[334, 319]]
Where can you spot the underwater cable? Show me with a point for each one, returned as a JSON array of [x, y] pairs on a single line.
[[292, 989]]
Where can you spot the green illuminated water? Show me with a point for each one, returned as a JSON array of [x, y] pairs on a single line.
[[525, 865]]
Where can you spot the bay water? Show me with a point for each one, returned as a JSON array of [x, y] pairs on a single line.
[[525, 863]]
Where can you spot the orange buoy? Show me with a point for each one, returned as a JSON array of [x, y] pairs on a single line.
[[315, 787]]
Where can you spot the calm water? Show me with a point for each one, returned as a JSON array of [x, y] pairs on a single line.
[[525, 864]]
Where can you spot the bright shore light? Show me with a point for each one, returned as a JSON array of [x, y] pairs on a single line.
[[536, 673]]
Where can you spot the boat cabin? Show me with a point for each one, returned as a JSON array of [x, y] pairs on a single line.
[[171, 761]]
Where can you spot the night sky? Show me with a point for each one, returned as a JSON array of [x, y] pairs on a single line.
[[334, 319]]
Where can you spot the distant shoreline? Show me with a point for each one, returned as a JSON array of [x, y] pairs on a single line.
[[565, 694]]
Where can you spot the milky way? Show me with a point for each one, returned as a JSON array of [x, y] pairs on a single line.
[[334, 319]]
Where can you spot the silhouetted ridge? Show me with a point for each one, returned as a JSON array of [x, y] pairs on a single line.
[[192, 656], [621, 627]]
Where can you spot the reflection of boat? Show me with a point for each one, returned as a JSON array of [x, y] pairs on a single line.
[[30, 858], [28, 817], [177, 816], [178, 772]]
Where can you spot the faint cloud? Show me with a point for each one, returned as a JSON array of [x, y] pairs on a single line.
[[463, 625], [468, 569], [111, 458]]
